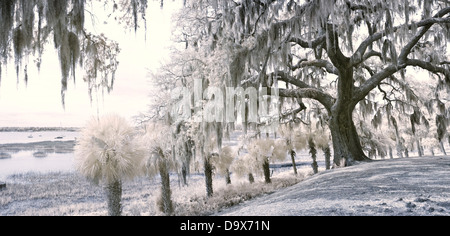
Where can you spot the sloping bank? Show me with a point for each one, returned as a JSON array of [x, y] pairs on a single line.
[[408, 186]]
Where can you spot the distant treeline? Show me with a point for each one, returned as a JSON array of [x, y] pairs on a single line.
[[38, 129]]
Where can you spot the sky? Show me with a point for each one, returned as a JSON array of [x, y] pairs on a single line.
[[38, 103]]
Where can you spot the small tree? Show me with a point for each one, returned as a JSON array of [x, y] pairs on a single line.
[[223, 162], [261, 150], [158, 160], [287, 132], [265, 151], [245, 165], [108, 153]]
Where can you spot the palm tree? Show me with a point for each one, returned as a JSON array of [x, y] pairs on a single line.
[[158, 142], [108, 153]]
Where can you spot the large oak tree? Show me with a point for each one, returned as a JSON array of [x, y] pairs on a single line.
[[337, 52]]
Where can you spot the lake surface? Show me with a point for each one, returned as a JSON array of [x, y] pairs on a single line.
[[36, 158], [29, 137]]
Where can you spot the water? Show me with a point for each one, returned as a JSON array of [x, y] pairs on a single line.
[[22, 161], [29, 137]]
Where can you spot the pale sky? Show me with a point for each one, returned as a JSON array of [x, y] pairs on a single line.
[[39, 102]]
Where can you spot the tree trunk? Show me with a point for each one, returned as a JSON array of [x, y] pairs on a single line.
[[208, 176], [346, 144], [184, 174], [419, 148], [251, 179], [327, 152], [313, 152], [266, 170], [114, 197], [441, 144], [165, 201], [292, 152], [227, 177]]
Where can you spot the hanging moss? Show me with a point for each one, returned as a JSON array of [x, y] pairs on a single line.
[[6, 24], [65, 65], [74, 47], [18, 41], [77, 18], [27, 17], [56, 11]]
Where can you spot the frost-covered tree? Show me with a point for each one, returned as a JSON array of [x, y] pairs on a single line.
[[108, 153], [184, 150], [337, 52], [28, 27], [224, 160], [264, 151], [244, 166], [288, 131], [159, 159]]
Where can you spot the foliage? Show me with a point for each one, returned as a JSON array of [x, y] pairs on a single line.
[[108, 151], [224, 160], [158, 144], [28, 26]]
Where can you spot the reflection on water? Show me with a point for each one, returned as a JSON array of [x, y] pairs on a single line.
[[39, 153], [4, 155], [25, 161]]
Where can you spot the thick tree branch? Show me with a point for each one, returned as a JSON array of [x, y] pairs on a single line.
[[321, 63], [308, 44], [283, 76], [428, 66], [339, 60], [313, 93], [374, 81], [357, 56], [403, 61], [303, 91], [315, 63]]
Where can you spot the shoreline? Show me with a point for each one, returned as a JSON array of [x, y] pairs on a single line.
[[65, 146], [39, 129]]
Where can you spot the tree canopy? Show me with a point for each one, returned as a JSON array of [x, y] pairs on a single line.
[[346, 55], [27, 27]]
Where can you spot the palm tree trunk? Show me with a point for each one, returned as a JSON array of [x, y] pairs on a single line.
[[114, 197], [327, 152], [292, 152], [251, 179], [266, 170], [165, 201], [313, 152], [228, 177], [208, 176]]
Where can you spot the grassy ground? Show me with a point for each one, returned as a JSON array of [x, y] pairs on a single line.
[[408, 186], [70, 194]]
